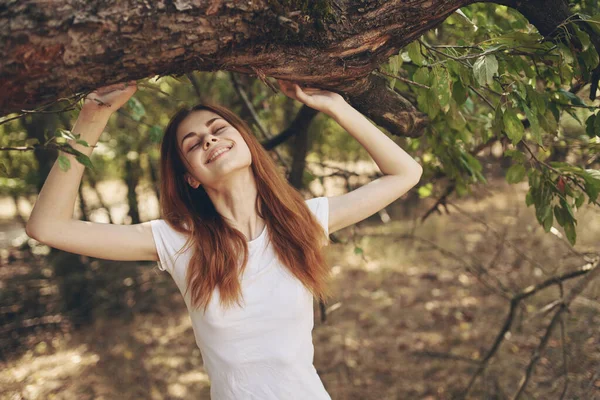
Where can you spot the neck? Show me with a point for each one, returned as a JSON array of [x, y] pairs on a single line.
[[235, 200]]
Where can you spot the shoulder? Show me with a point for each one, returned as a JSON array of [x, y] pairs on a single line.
[[166, 233], [318, 205]]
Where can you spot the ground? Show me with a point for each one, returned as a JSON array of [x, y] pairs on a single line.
[[407, 319]]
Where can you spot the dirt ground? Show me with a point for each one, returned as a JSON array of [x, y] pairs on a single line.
[[409, 319]]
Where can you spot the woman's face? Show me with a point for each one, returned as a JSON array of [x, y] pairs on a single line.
[[198, 135]]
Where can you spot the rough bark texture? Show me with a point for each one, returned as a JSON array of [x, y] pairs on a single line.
[[51, 50], [54, 49], [546, 15]]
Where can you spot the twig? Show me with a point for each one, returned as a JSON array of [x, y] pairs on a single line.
[[405, 80], [250, 107], [591, 270], [489, 103], [594, 272]]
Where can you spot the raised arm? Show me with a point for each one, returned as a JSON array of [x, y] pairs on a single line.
[[51, 221], [401, 171]]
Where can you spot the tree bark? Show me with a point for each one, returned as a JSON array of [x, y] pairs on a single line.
[[55, 49], [52, 50]]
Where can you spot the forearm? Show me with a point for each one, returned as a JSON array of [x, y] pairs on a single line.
[[389, 157], [56, 200]]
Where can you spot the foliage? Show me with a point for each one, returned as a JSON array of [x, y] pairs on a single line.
[[487, 75]]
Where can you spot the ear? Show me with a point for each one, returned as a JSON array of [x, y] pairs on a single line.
[[192, 181]]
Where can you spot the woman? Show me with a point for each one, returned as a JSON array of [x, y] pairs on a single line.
[[241, 244]]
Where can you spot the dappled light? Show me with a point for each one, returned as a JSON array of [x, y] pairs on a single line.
[[448, 152]]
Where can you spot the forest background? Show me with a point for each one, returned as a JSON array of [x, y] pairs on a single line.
[[481, 282]]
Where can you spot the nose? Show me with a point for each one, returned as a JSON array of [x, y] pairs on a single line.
[[209, 142]]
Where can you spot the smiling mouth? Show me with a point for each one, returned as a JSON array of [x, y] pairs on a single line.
[[218, 156]]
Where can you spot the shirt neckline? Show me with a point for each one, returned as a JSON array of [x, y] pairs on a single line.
[[259, 237]]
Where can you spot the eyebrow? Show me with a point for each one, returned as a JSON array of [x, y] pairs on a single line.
[[208, 123]]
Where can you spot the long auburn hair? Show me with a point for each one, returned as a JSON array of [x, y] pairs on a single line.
[[296, 235]]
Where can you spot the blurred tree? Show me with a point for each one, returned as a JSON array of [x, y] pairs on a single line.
[[487, 74]]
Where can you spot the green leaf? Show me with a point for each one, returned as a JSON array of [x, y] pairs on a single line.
[[597, 126], [422, 76], [572, 97], [484, 69], [542, 212], [63, 162], [536, 99], [456, 120], [358, 250], [590, 58], [528, 198], [515, 154], [548, 222], [592, 183], [85, 160], [515, 173], [441, 85], [512, 126], [560, 217], [459, 93], [569, 228], [590, 129], [82, 142], [567, 207], [583, 37], [428, 102], [414, 52], [566, 53], [497, 124], [579, 200], [534, 124], [548, 121]]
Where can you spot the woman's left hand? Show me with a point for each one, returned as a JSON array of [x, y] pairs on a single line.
[[319, 99]]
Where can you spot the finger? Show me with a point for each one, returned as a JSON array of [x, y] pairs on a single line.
[[299, 93]]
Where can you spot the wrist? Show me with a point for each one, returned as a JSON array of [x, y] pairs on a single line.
[[338, 108]]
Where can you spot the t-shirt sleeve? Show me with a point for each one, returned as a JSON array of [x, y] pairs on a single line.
[[166, 240], [320, 208]]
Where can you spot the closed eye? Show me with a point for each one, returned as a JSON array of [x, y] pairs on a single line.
[[220, 129]]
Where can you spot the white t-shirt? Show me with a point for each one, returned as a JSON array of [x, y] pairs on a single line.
[[263, 350]]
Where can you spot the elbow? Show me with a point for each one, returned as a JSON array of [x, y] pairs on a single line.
[[33, 232], [29, 230], [417, 173]]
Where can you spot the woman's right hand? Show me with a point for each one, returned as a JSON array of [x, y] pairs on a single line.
[[108, 99]]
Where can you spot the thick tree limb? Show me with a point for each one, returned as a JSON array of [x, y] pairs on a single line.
[[52, 50], [56, 49]]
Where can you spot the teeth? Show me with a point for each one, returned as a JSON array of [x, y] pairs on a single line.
[[219, 152]]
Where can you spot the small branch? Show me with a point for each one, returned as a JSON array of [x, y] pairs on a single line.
[[250, 107], [594, 272], [489, 103], [405, 80], [591, 269]]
